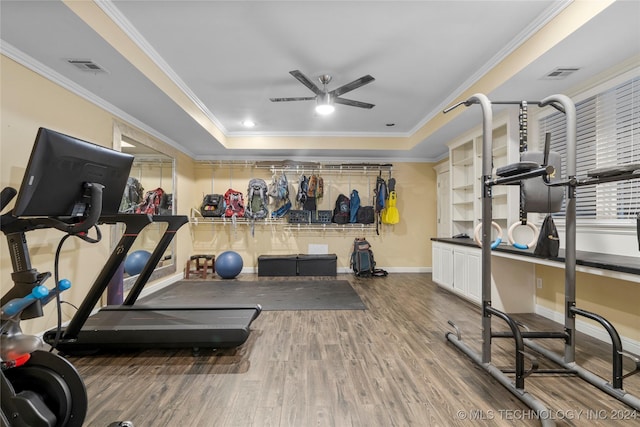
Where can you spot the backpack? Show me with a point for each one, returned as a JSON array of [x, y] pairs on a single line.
[[381, 194], [279, 188], [151, 202], [366, 215], [282, 210], [362, 260], [313, 186], [354, 202], [234, 204], [320, 188], [303, 186], [391, 185], [166, 204], [342, 211], [548, 242], [390, 214], [257, 199], [212, 205], [309, 204], [132, 196], [380, 198]]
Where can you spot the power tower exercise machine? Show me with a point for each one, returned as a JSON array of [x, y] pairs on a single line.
[[514, 379], [66, 186]]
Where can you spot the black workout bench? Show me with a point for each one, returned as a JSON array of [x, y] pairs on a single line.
[[298, 265]]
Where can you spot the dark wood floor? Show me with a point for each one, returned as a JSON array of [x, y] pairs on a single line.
[[389, 365]]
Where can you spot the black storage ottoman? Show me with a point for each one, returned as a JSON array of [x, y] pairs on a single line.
[[277, 265], [317, 265]]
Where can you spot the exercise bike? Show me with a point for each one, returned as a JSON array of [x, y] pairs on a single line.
[[40, 388]]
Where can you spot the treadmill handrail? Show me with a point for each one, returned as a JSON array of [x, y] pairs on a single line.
[[134, 223], [174, 222]]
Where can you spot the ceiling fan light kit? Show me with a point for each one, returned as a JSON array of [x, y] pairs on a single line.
[[326, 99], [325, 109], [324, 104]]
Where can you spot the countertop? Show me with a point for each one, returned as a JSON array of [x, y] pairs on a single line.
[[624, 264]]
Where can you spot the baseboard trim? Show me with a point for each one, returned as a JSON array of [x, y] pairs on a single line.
[[348, 270]]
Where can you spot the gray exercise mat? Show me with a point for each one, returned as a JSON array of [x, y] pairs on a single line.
[[272, 295]]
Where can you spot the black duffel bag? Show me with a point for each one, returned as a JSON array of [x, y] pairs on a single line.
[[365, 215]]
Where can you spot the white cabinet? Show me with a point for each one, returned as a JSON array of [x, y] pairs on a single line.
[[474, 275], [436, 257], [460, 272], [458, 268], [442, 264]]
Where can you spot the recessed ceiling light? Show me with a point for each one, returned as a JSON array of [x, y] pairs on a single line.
[[248, 123]]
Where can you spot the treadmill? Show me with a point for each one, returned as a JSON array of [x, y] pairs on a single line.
[[131, 326]]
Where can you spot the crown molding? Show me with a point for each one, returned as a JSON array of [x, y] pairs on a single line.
[[39, 68], [128, 28], [549, 14]]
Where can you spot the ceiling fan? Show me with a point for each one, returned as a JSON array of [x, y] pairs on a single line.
[[325, 98]]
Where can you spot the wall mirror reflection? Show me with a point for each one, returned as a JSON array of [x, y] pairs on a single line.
[[150, 190]]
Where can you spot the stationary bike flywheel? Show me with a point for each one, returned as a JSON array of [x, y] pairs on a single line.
[[58, 384]]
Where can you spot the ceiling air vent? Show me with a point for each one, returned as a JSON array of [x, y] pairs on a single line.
[[560, 73], [86, 65]]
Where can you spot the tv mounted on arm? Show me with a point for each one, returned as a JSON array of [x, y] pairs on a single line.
[[64, 181], [68, 185]]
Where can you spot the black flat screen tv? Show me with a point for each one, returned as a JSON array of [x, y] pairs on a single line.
[[58, 168]]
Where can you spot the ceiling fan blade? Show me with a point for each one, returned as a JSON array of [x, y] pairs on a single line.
[[353, 103], [307, 98], [353, 85], [305, 81]]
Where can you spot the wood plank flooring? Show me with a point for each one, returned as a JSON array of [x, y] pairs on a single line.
[[389, 365]]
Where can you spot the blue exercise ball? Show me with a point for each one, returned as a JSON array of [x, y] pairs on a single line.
[[228, 264], [135, 262]]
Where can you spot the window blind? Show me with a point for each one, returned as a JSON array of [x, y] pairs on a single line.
[[608, 134]]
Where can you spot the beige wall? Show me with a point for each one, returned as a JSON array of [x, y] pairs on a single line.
[[30, 101], [617, 300], [404, 246]]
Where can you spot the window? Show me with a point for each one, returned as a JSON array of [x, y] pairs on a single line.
[[608, 134]]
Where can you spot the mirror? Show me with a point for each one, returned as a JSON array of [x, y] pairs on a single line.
[[150, 189]]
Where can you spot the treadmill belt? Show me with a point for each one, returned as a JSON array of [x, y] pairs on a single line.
[[169, 319], [148, 327]]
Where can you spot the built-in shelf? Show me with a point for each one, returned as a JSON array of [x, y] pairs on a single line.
[[465, 186], [465, 168]]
